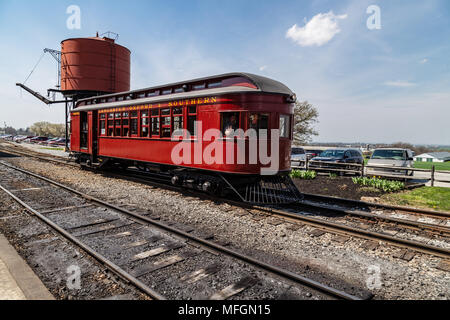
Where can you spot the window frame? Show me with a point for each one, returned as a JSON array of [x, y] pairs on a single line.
[[157, 119], [103, 120], [181, 116], [125, 126], [132, 119], [248, 126], [240, 122], [165, 126], [142, 125], [188, 115], [116, 118], [288, 128]]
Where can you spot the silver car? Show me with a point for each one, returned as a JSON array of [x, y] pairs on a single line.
[[391, 157], [298, 156]]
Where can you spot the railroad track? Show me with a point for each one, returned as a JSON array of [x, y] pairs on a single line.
[[326, 204], [293, 215], [328, 226], [139, 248], [12, 149]]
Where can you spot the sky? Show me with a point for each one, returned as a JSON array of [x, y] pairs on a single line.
[[377, 71]]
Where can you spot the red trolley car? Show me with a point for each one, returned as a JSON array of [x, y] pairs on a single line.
[[136, 128]]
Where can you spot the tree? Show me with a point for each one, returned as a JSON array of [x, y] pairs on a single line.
[[48, 129], [10, 130], [305, 115]]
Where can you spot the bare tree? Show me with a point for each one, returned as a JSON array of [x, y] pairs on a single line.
[[48, 129], [305, 116]]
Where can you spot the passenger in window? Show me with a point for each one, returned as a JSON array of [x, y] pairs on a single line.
[[231, 123], [254, 121]]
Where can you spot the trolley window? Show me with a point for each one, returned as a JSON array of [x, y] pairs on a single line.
[[84, 130], [216, 84], [258, 122], [102, 124], [145, 120], [110, 124], [191, 119], [229, 123], [166, 128], [117, 124], [134, 123], [285, 126], [153, 93], [155, 123], [177, 123], [125, 124], [199, 86], [177, 119]]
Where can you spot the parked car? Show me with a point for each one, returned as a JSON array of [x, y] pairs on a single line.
[[18, 138], [8, 137], [28, 139], [335, 158], [24, 138], [391, 157], [46, 142], [38, 139], [298, 156], [312, 153], [57, 142]]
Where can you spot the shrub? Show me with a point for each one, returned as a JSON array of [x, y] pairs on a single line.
[[382, 184], [300, 174], [333, 175]]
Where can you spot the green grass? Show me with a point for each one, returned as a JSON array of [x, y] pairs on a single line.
[[437, 198], [437, 165], [59, 149], [382, 184], [300, 174]]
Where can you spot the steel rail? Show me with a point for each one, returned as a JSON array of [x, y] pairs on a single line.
[[62, 161], [263, 265], [360, 203], [358, 213], [339, 228], [103, 260]]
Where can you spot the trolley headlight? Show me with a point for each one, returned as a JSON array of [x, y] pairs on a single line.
[[292, 98]]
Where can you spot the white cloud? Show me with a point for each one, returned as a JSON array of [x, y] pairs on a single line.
[[318, 31], [400, 84], [424, 61]]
